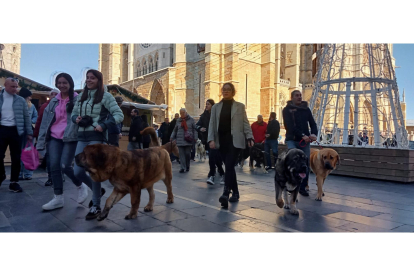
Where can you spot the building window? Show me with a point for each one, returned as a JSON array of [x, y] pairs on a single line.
[[150, 64], [163, 55], [201, 48], [156, 62], [144, 68], [138, 69]]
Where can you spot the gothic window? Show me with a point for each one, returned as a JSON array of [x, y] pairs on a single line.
[[139, 69], [156, 62], [150, 65], [144, 67], [201, 48]]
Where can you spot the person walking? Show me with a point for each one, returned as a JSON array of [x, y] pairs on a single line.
[[59, 135], [214, 158], [170, 131], [259, 130], [228, 131], [297, 118], [135, 137], [15, 126], [90, 113], [272, 135], [115, 132], [163, 132], [25, 93], [146, 139], [53, 93], [185, 134]]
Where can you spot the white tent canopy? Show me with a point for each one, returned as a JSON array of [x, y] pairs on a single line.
[[145, 106]]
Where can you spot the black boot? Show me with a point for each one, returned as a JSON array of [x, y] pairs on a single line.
[[224, 199], [234, 196]]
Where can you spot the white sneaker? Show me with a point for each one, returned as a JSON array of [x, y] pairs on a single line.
[[222, 180], [82, 193], [56, 202], [210, 180]]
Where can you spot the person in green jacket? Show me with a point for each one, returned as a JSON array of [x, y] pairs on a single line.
[[91, 112]]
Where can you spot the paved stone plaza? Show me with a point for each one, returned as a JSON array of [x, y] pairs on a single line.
[[349, 205]]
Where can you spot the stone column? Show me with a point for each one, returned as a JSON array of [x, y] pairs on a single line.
[[267, 85], [131, 61], [212, 81], [292, 68]]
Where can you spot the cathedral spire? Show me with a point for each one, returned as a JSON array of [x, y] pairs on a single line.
[[403, 95]]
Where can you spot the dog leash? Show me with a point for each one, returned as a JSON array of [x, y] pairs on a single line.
[[300, 144]]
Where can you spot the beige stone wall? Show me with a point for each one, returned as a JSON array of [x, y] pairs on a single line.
[[11, 57], [263, 75]]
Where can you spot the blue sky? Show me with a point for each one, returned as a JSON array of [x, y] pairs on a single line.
[[39, 61]]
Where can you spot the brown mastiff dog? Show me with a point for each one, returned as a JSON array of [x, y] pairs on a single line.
[[129, 172], [322, 163]]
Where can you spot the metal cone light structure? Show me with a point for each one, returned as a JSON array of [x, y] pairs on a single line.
[[356, 92]]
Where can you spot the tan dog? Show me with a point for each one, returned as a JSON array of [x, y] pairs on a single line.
[[129, 172], [322, 163], [154, 139]]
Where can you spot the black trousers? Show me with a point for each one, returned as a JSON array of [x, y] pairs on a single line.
[[229, 155], [113, 139], [214, 160], [9, 137]]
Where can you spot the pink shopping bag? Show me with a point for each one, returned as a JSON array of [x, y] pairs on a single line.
[[30, 157]]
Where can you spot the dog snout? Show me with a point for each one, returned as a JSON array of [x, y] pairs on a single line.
[[304, 168], [328, 166]]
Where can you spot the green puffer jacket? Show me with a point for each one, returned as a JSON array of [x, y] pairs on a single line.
[[99, 115]]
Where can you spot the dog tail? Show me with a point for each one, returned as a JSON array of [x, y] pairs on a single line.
[[151, 132]]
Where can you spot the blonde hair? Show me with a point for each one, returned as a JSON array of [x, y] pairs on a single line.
[[29, 103]]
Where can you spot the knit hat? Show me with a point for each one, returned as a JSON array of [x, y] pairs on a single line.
[[24, 92], [119, 99], [55, 90]]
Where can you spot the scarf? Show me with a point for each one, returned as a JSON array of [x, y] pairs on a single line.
[[184, 124]]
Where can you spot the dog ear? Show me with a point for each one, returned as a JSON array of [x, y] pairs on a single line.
[[337, 161]]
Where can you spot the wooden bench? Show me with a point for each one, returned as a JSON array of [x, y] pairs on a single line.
[[374, 163]]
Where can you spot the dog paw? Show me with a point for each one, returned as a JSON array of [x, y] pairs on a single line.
[[294, 211], [318, 199], [148, 209], [170, 200], [129, 216], [280, 203]]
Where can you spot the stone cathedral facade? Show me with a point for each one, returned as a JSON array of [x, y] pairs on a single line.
[[186, 75]]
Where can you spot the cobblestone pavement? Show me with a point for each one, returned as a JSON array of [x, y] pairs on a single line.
[[350, 205]]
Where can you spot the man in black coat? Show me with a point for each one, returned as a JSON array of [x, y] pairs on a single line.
[[135, 137], [272, 135], [163, 131], [297, 118]]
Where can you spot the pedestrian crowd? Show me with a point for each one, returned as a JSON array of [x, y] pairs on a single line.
[[68, 122]]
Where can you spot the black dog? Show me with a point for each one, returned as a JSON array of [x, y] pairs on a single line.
[[257, 154], [291, 168], [243, 155]]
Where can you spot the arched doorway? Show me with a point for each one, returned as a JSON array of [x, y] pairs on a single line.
[[157, 96]]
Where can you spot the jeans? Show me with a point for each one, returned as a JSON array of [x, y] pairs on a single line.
[[306, 149], [185, 152], [24, 173], [113, 139], [229, 156], [80, 174], [134, 145], [9, 137], [61, 161], [271, 144]]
